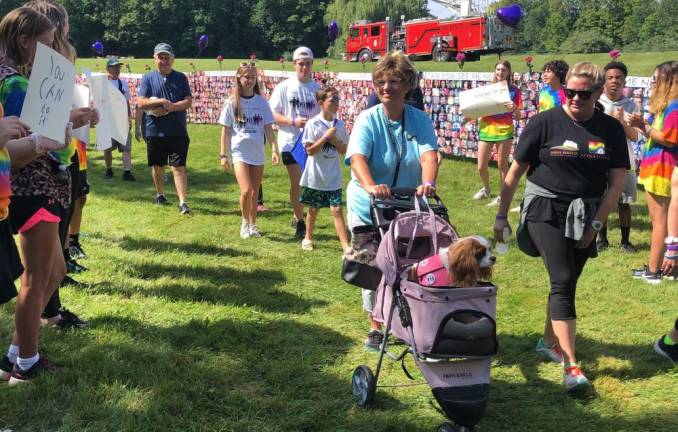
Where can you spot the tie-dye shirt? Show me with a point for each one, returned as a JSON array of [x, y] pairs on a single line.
[[5, 181], [549, 98], [499, 127], [81, 149], [659, 161]]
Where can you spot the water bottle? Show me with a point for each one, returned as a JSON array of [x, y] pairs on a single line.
[[502, 247]]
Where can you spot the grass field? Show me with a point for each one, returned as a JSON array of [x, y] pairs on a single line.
[[195, 329], [639, 63]]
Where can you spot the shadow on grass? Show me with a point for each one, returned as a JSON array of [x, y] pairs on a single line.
[[158, 246]]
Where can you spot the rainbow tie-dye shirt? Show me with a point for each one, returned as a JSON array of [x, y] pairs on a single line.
[[499, 127], [659, 161], [81, 149], [5, 181], [549, 98]]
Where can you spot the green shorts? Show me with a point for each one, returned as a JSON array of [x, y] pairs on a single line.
[[317, 199]]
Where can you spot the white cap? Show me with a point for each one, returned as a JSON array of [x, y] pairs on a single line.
[[302, 53]]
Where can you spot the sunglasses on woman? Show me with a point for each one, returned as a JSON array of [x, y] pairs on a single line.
[[243, 64], [583, 94]]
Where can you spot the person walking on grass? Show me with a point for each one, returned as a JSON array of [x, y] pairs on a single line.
[[246, 120], [113, 69], [293, 103], [165, 95], [325, 137]]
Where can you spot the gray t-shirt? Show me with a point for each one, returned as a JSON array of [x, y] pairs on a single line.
[[629, 107], [322, 170]]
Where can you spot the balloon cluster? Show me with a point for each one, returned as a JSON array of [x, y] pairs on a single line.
[[510, 15]]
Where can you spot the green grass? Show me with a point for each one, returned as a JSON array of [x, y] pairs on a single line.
[[639, 63], [194, 329]]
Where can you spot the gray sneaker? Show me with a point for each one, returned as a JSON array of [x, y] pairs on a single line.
[[184, 210], [374, 340]]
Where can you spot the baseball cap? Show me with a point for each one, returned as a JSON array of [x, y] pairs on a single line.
[[163, 48], [113, 61], [302, 53]]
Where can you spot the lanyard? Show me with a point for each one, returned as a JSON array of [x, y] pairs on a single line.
[[398, 148]]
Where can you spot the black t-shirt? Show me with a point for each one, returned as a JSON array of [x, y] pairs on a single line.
[[572, 159]]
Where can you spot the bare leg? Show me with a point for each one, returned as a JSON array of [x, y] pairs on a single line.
[[108, 158], [340, 226], [242, 175], [484, 153], [180, 182], [503, 152], [256, 175], [127, 160], [76, 219], [310, 222], [294, 172], [158, 173], [566, 332], [658, 207]]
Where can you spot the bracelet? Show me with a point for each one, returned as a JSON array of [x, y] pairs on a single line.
[[500, 217], [672, 247], [223, 156], [671, 240], [671, 257], [36, 146], [430, 183]]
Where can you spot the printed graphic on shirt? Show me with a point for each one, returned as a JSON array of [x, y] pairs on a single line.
[[303, 108], [597, 147], [251, 123]]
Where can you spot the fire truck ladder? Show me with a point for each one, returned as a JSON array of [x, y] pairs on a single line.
[[464, 8]]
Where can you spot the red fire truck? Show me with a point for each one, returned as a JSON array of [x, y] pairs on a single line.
[[429, 37]]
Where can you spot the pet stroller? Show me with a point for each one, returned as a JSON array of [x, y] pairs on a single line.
[[451, 333]]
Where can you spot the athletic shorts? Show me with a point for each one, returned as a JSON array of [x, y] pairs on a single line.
[[317, 199], [288, 159], [27, 212], [79, 183], [629, 194], [167, 150], [10, 263], [121, 147]]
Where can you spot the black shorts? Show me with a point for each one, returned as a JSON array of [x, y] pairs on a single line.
[[26, 212], [79, 183], [167, 150], [288, 159], [10, 263]]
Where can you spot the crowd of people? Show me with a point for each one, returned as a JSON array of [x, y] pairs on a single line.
[[577, 152]]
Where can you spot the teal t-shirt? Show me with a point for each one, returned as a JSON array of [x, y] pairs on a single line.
[[371, 139]]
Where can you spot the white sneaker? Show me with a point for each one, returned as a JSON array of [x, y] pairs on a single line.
[[245, 230], [495, 202], [307, 245], [254, 231], [574, 379], [482, 194]]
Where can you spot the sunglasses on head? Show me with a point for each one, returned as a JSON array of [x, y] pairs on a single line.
[[243, 64], [583, 94]]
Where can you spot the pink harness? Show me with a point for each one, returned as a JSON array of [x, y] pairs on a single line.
[[431, 272]]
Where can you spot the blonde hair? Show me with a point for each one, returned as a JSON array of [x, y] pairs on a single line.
[[19, 22], [58, 15], [242, 70], [399, 64], [587, 70], [506, 63], [667, 86]]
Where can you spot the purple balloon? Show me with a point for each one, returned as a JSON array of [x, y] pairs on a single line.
[[510, 15], [202, 43], [98, 47], [332, 31]]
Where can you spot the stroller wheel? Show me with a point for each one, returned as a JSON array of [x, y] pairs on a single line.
[[363, 385]]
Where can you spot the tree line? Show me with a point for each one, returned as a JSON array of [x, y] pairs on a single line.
[[273, 28]]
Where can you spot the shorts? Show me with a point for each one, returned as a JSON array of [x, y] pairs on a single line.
[[629, 194], [164, 150], [288, 159], [10, 263], [318, 199], [79, 183], [121, 148], [364, 244], [27, 212]]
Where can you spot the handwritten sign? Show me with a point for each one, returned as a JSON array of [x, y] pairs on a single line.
[[485, 100], [50, 94], [81, 100]]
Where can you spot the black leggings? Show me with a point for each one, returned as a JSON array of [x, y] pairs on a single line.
[[564, 263]]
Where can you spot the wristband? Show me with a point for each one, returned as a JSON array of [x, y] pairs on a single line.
[[500, 217], [672, 247], [430, 183], [36, 145], [671, 240]]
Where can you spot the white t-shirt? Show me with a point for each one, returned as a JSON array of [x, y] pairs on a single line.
[[293, 99], [247, 139], [322, 171], [125, 88], [629, 107]]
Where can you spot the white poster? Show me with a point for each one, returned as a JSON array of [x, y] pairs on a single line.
[[120, 131], [81, 100], [485, 100], [112, 106], [50, 94]]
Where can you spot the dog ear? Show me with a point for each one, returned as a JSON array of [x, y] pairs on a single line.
[[464, 266]]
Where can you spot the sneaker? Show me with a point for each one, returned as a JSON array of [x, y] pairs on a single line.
[[69, 320], [307, 245], [6, 368], [245, 230], [184, 210], [652, 278], [300, 229], [127, 176], [482, 194], [495, 202], [551, 353], [638, 273], [21, 376], [374, 340], [67, 280], [660, 347], [254, 231], [161, 200], [109, 173], [72, 266], [628, 248], [574, 379], [261, 208], [602, 244], [75, 251]]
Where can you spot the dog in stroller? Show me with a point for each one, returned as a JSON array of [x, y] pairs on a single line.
[[450, 332]]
